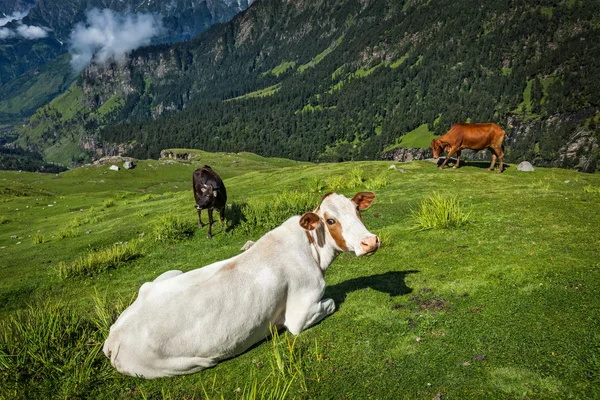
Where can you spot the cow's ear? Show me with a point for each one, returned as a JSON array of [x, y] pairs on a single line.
[[363, 200], [310, 221]]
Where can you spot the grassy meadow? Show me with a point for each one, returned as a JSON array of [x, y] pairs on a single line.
[[502, 305]]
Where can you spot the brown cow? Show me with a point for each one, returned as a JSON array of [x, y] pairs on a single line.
[[470, 136]]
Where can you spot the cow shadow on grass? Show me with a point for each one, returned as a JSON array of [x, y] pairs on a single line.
[[234, 216], [483, 164], [392, 283]]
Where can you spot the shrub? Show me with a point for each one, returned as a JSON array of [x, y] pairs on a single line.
[[437, 212], [99, 261], [172, 227], [264, 215]]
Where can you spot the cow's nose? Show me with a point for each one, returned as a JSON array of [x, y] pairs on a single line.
[[370, 244]]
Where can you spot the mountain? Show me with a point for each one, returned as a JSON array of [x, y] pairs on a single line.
[[345, 80], [35, 35]]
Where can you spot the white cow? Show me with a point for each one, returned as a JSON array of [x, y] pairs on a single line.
[[183, 323]]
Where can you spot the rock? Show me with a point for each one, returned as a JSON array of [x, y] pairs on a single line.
[[588, 165], [525, 166], [404, 154], [248, 244], [397, 169], [114, 168], [128, 165]]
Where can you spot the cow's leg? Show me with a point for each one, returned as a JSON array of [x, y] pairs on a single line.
[[178, 366], [299, 317], [210, 222], [450, 154], [491, 167], [200, 224], [457, 165], [500, 159]]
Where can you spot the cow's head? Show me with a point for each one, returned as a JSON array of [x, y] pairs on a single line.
[[437, 148], [206, 195], [337, 221]]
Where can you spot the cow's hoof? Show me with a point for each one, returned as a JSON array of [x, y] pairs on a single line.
[[208, 236], [488, 169]]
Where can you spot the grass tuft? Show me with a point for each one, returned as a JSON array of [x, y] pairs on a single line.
[[438, 212], [68, 232], [264, 215], [99, 261], [3, 220], [50, 343], [39, 238], [170, 228], [108, 203]]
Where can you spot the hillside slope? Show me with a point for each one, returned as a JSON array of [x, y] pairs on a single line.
[[504, 307], [323, 81], [20, 58]]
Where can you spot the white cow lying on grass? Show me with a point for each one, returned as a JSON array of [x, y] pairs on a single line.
[[183, 323]]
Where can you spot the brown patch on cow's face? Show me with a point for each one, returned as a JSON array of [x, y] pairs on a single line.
[[363, 200], [335, 230]]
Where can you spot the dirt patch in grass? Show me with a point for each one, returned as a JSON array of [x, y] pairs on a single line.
[[426, 301]]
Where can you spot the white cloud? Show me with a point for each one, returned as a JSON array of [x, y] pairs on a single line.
[[6, 33], [109, 36], [32, 32], [16, 16], [22, 31]]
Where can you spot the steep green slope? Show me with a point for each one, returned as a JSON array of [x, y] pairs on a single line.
[[22, 96], [352, 77], [504, 307]]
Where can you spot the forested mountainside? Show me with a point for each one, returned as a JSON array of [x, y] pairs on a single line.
[[315, 80], [23, 56]]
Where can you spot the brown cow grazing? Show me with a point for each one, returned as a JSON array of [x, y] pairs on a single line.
[[470, 136], [209, 192]]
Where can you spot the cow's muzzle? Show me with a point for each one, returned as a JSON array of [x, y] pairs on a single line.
[[369, 245]]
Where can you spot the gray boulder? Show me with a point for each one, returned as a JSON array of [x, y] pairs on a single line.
[[525, 166]]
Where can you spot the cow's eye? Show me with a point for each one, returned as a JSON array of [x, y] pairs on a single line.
[[330, 221]]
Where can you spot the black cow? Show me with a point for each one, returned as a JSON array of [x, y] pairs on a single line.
[[209, 192]]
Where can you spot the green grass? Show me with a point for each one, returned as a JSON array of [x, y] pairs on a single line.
[[268, 91], [504, 307], [439, 212], [319, 57], [281, 68], [420, 137]]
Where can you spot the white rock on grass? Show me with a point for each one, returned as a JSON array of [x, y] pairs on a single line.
[[525, 166], [114, 168]]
